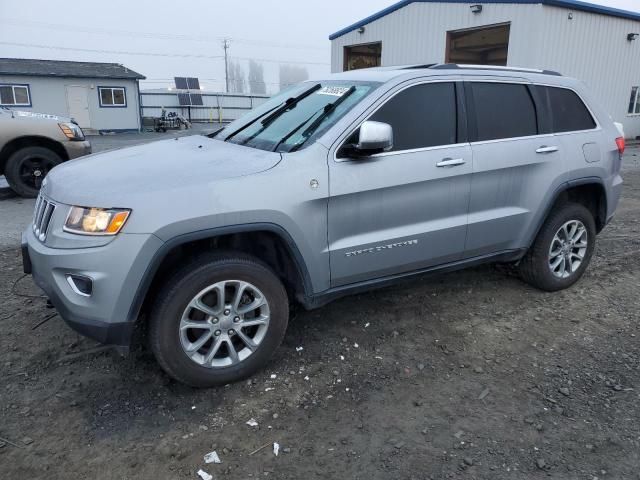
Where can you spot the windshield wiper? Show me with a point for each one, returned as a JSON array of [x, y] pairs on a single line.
[[273, 113], [326, 111]]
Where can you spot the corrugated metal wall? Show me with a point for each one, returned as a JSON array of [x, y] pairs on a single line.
[[595, 49], [216, 107], [591, 47], [417, 33]]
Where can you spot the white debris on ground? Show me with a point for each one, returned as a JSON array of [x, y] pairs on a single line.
[[212, 457], [276, 448], [252, 422], [273, 376], [299, 349], [204, 475]]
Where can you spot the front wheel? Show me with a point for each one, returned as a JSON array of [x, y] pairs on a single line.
[[562, 250], [26, 168], [218, 320]]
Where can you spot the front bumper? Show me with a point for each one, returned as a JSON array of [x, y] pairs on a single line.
[[116, 270], [77, 149]]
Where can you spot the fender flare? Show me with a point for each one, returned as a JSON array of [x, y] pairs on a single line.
[[563, 187], [163, 251]]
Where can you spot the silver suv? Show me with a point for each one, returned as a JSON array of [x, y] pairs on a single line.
[[331, 187]]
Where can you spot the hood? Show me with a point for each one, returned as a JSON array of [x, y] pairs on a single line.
[[123, 178]]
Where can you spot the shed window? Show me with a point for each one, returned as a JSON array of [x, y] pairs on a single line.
[[112, 97], [634, 102], [15, 95]]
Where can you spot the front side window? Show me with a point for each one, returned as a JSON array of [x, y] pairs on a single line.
[[568, 112], [15, 95], [421, 116], [503, 110], [112, 96], [294, 118], [634, 102]]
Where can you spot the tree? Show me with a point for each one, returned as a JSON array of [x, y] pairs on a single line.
[[256, 78], [290, 74], [236, 78]]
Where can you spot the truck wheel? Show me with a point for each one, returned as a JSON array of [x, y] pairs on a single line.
[[26, 168], [218, 320], [562, 250]]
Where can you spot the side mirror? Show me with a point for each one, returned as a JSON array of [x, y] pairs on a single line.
[[374, 137]]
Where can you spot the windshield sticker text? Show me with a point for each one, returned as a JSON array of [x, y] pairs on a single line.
[[333, 91]]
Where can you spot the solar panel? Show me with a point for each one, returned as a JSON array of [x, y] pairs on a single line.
[[184, 99], [193, 83], [196, 99], [181, 83]]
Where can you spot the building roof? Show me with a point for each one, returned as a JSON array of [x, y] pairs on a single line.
[[572, 4], [61, 68]]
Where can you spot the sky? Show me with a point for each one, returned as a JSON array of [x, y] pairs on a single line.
[[184, 38]]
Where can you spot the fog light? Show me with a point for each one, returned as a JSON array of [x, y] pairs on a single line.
[[80, 284]]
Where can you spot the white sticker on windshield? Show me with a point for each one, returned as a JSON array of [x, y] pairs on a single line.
[[333, 91]]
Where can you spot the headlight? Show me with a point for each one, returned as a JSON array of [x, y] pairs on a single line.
[[96, 221], [71, 131]]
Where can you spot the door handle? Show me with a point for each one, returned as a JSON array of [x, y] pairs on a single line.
[[545, 149], [450, 162]]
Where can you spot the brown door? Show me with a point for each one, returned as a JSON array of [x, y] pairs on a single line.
[[488, 45], [362, 56]]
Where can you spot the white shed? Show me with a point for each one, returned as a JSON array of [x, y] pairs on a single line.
[[599, 45], [99, 96]]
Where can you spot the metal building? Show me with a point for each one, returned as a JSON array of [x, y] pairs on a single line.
[[599, 45], [99, 96]]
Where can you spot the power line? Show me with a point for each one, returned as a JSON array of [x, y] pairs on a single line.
[[152, 54], [155, 35]]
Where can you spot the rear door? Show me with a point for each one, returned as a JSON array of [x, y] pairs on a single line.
[[405, 209], [515, 164]]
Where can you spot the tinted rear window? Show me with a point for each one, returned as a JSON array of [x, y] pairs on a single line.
[[421, 116], [568, 112], [503, 110]]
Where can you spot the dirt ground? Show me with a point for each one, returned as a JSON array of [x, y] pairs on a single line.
[[471, 375]]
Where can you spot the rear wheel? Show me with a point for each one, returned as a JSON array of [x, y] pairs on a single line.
[[562, 250], [26, 169], [218, 320]]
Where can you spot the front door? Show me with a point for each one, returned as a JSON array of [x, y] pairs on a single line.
[[78, 103], [406, 209]]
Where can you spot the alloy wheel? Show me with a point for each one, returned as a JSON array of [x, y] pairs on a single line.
[[224, 323], [568, 249]]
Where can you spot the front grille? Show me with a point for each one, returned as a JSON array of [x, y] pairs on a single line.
[[42, 217]]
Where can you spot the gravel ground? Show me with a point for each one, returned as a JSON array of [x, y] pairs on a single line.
[[471, 374]]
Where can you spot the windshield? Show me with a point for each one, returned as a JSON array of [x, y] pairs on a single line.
[[294, 117]]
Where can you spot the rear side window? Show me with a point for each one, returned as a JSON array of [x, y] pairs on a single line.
[[568, 111], [421, 116], [503, 110]]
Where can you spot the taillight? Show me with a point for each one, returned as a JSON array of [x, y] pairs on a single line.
[[621, 144]]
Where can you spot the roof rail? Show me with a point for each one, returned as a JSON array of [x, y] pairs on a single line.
[[414, 67], [450, 66]]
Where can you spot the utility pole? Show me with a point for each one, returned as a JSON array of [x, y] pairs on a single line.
[[225, 45]]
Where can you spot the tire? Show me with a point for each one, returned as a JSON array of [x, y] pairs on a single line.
[[537, 266], [26, 169], [171, 338]]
